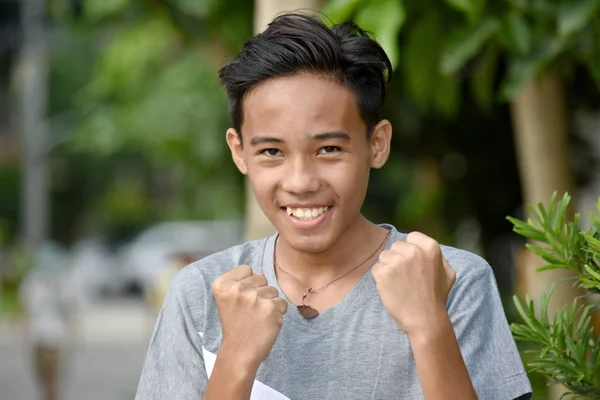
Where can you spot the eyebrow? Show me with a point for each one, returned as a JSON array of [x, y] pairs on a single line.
[[257, 140], [331, 135]]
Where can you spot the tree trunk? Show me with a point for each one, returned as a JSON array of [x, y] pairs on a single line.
[[257, 224], [542, 146], [33, 70]]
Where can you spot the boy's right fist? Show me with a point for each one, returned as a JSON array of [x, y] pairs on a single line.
[[251, 314]]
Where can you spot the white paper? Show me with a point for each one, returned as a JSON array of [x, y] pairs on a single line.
[[260, 391]]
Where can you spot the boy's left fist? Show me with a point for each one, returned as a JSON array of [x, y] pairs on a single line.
[[414, 280]]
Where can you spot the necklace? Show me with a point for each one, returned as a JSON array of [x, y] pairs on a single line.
[[307, 311]]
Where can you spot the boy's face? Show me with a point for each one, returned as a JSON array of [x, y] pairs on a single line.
[[307, 156]]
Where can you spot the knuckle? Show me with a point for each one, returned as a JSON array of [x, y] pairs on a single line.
[[415, 236], [432, 244], [261, 278], [386, 256], [422, 240], [253, 296], [412, 251], [375, 270], [380, 271], [236, 289], [217, 285], [244, 268], [396, 246]]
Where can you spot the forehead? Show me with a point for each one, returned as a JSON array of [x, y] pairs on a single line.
[[300, 105]]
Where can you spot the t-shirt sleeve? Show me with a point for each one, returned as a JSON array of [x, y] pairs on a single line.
[[174, 366], [486, 342]]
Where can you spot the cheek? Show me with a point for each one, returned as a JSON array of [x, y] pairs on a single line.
[[263, 181], [350, 180]]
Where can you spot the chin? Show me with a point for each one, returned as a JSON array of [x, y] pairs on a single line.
[[309, 245], [311, 242]]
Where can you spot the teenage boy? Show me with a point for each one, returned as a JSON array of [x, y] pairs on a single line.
[[333, 306]]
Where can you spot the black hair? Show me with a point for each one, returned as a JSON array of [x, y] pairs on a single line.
[[298, 43]]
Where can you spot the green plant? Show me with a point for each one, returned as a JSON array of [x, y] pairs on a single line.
[[568, 350], [12, 274]]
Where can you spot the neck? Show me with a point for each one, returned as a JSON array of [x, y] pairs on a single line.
[[357, 242]]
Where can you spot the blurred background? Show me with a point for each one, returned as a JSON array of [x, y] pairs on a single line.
[[114, 171]]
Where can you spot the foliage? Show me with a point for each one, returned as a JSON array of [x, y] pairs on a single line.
[[443, 44], [136, 104], [562, 244], [14, 268], [569, 350]]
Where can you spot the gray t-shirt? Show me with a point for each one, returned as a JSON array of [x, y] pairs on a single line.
[[354, 350]]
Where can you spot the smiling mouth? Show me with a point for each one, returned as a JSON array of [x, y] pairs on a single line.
[[306, 214]]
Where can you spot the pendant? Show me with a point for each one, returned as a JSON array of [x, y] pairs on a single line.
[[307, 311]]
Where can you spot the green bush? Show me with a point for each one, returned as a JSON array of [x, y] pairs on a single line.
[[567, 348]]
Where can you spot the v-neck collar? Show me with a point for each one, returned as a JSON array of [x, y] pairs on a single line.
[[362, 291]]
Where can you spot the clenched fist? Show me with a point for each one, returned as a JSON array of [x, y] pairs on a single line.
[[251, 313], [414, 280]]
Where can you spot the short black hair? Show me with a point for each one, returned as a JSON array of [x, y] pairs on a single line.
[[300, 43]]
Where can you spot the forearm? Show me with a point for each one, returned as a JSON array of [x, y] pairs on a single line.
[[440, 365], [231, 379]]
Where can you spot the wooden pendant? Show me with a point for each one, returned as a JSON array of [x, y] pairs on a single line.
[[307, 311]]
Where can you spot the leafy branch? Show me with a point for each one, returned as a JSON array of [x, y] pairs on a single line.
[[563, 244], [568, 351]]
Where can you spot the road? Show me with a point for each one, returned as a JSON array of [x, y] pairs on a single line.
[[103, 364]]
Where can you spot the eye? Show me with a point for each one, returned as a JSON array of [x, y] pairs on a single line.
[[329, 149], [271, 152]]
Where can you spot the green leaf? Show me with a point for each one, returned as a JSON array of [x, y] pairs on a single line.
[[521, 70], [592, 272], [594, 66], [465, 43], [484, 77], [195, 8], [574, 15], [384, 18], [100, 9], [583, 322], [553, 266], [446, 97], [340, 10], [471, 8], [132, 58], [421, 57], [515, 34]]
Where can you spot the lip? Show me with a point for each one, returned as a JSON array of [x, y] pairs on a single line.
[[307, 225], [310, 205]]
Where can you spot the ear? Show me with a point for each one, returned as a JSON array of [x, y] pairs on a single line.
[[380, 141], [234, 141]]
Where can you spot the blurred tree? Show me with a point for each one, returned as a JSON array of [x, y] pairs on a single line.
[[139, 109], [33, 96]]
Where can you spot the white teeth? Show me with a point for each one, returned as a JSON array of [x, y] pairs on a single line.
[[306, 214]]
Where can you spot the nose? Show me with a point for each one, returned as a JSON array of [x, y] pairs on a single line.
[[301, 177]]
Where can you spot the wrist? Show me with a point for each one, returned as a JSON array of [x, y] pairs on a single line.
[[437, 324], [238, 358]]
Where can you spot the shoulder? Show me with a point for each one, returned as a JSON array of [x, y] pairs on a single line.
[[201, 274], [475, 289], [465, 263]]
